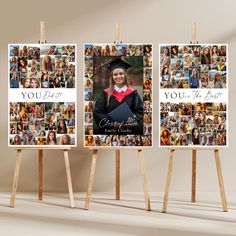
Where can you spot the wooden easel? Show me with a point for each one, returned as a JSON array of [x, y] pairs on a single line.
[[194, 164], [219, 173], [17, 170], [140, 156], [40, 156], [142, 172]]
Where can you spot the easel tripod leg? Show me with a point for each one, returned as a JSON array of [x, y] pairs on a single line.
[[69, 181], [40, 174], [144, 180], [167, 189], [15, 180], [194, 175], [117, 174], [220, 179], [91, 179]]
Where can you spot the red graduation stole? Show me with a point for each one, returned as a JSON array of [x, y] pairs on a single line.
[[119, 96]]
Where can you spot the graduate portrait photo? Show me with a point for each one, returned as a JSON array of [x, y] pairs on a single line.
[[119, 107]]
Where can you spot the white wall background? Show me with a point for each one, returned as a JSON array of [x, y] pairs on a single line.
[[155, 21]]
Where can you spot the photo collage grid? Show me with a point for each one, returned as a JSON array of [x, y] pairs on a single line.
[[42, 66], [93, 50], [39, 123], [193, 66], [187, 124]]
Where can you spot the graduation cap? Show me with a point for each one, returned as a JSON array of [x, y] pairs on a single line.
[[118, 63]]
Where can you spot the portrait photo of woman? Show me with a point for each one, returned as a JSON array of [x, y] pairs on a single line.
[[47, 63], [26, 83], [206, 56], [118, 98], [14, 80], [44, 80], [51, 138], [16, 140], [61, 129], [34, 83], [217, 81], [165, 56], [194, 79], [22, 64], [195, 136], [165, 74], [165, 137]]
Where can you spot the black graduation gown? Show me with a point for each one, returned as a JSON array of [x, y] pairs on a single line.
[[101, 109]]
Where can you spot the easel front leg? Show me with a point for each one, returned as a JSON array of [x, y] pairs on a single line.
[[15, 180], [117, 174], [194, 175], [69, 181], [170, 168], [91, 179], [40, 174], [221, 182], [144, 179]]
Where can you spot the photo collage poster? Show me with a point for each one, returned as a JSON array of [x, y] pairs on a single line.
[[42, 94], [117, 95], [193, 95]]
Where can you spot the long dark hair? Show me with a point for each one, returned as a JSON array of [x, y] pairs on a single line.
[[54, 139]]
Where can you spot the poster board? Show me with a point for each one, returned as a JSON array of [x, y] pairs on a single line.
[[193, 95], [111, 119], [42, 95]]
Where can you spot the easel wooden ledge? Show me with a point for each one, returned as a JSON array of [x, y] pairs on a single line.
[[40, 156], [117, 150], [194, 162]]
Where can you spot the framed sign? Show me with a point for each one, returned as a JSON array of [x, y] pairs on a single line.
[[42, 94], [193, 95], [118, 95]]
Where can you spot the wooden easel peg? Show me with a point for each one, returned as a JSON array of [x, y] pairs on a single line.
[[117, 41], [194, 33]]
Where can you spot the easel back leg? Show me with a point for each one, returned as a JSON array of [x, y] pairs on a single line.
[[194, 175], [40, 174], [117, 174]]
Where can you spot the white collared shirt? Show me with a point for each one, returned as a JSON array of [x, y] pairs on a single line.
[[119, 90]]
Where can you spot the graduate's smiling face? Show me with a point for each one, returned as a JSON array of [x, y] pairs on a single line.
[[118, 76]]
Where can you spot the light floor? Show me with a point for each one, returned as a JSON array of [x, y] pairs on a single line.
[[106, 216]]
